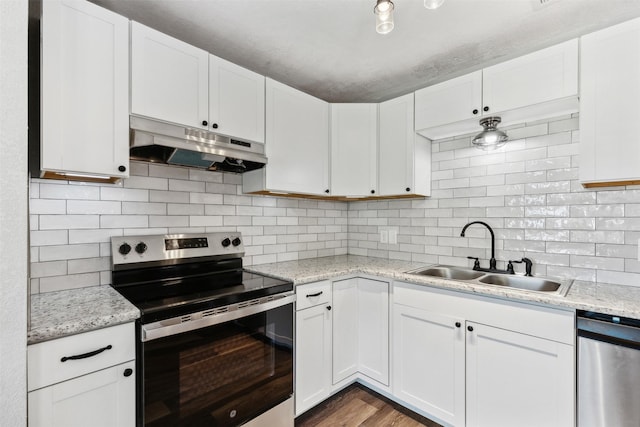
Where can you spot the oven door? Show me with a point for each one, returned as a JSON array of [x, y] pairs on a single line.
[[223, 374]]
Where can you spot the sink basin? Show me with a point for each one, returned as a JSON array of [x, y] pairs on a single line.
[[536, 284], [447, 272], [521, 282]]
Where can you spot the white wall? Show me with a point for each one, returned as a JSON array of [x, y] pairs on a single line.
[[13, 211], [528, 191]]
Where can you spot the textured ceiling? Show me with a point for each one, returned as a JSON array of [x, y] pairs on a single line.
[[329, 48]]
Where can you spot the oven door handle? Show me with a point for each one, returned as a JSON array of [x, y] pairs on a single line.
[[165, 328]]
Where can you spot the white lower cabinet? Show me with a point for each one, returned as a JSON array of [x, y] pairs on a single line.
[[83, 380], [313, 345], [361, 329], [515, 379], [475, 361], [429, 360], [105, 398]]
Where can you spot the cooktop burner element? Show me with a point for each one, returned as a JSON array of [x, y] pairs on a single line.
[[177, 274]]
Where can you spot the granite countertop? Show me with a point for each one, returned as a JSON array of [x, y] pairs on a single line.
[[604, 298], [62, 313], [58, 314]]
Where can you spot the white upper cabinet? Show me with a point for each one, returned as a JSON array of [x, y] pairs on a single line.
[[296, 144], [449, 102], [169, 78], [85, 87], [404, 157], [236, 100], [610, 106], [353, 149], [539, 85]]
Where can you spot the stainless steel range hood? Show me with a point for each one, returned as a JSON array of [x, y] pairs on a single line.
[[160, 142]]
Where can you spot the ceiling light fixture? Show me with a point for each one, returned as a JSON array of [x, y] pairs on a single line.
[[384, 16], [491, 137], [433, 4]]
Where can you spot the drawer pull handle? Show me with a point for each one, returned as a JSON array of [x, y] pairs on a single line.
[[317, 294], [85, 355]]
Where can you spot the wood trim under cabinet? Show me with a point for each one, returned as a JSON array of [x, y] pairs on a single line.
[[335, 198], [610, 184]]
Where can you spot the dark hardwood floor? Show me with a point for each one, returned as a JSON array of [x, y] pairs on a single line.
[[355, 406]]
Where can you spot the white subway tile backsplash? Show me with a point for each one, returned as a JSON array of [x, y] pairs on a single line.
[[124, 194], [49, 237], [68, 222], [123, 221], [46, 206], [87, 207], [67, 252], [68, 192]]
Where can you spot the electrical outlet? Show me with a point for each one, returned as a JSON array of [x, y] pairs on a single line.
[[384, 236], [638, 249], [393, 237]]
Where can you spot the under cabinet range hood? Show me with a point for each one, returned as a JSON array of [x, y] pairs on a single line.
[[159, 142]]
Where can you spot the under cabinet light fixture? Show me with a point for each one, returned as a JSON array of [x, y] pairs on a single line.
[[491, 137]]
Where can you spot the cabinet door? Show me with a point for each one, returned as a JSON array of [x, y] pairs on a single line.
[[297, 141], [353, 149], [85, 89], [448, 102], [373, 329], [313, 356], [104, 398], [610, 104], [429, 362], [236, 101], [404, 158], [517, 379], [345, 329], [536, 78], [169, 78]]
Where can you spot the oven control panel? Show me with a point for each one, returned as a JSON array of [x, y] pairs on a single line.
[[165, 247]]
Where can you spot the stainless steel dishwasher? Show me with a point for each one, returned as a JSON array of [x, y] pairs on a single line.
[[608, 370]]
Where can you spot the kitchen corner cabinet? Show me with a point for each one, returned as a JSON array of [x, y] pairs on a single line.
[[96, 390], [476, 361], [85, 91], [404, 157], [313, 345], [169, 78], [610, 106], [361, 329], [354, 158], [236, 100], [296, 144], [539, 85]]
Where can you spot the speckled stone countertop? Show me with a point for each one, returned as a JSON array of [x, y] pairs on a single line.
[[58, 314], [604, 298]]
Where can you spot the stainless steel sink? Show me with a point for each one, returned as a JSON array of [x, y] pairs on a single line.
[[454, 273], [521, 282], [536, 284]]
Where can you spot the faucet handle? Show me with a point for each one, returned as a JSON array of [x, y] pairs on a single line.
[[510, 267], [476, 263]]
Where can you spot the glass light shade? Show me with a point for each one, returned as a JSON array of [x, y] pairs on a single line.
[[384, 16], [491, 137], [433, 4]]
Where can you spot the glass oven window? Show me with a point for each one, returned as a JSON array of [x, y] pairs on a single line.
[[222, 375]]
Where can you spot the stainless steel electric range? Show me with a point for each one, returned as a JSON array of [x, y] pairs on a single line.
[[214, 342]]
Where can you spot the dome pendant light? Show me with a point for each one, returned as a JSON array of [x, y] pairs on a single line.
[[491, 137], [433, 4], [384, 16]]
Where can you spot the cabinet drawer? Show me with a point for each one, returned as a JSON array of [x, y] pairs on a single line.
[[45, 365], [313, 294]]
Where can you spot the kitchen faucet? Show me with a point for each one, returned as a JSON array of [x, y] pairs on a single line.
[[492, 261]]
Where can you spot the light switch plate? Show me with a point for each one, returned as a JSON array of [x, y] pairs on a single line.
[[638, 249], [384, 236]]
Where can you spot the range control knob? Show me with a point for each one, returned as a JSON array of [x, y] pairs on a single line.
[[124, 248], [226, 242], [236, 241], [141, 248]]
